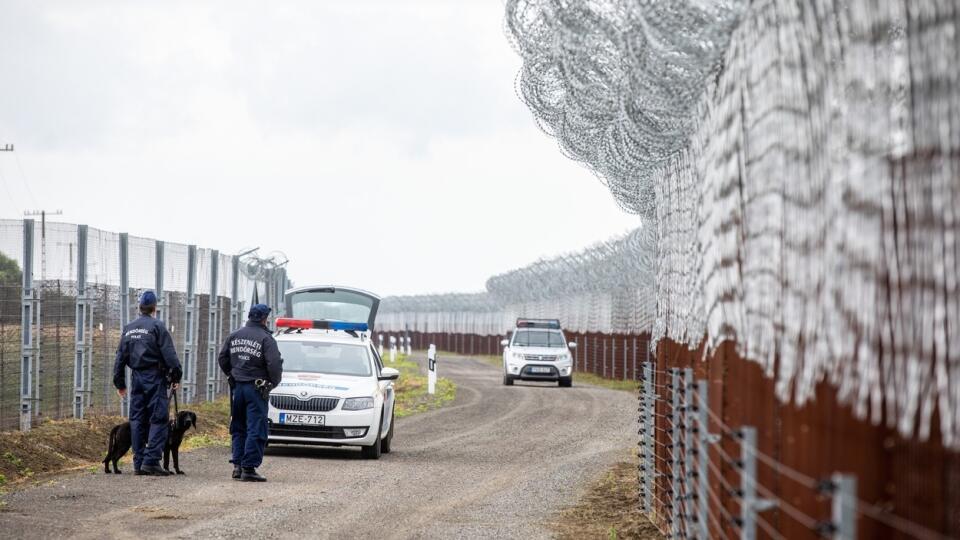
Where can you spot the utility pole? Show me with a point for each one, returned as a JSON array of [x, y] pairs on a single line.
[[7, 148], [43, 237]]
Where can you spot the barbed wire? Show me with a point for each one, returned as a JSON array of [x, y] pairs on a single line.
[[771, 195]]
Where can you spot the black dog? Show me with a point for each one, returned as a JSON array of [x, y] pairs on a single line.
[[119, 442]]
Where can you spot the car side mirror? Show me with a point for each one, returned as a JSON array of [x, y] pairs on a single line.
[[388, 374], [504, 342], [572, 344]]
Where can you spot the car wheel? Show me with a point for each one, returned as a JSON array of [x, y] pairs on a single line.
[[388, 440], [566, 382], [507, 380], [374, 450]]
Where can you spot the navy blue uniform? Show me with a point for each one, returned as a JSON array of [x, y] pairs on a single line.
[[249, 354], [146, 347]]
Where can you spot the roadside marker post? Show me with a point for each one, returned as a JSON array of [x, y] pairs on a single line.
[[393, 349], [432, 369], [380, 347], [409, 346]]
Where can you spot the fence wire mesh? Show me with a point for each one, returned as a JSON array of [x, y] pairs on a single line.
[[72, 348]]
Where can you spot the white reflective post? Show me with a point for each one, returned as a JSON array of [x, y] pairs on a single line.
[[409, 346], [432, 369], [380, 347], [393, 348]]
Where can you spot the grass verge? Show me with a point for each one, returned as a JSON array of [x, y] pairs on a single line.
[[67, 445], [411, 388], [607, 510]]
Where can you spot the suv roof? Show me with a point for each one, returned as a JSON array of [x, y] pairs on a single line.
[[552, 324]]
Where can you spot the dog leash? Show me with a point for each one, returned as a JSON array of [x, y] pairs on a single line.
[[176, 406]]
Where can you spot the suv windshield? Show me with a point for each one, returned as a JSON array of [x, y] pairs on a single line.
[[329, 358], [537, 338]]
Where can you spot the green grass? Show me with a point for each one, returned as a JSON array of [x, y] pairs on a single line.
[[595, 380], [411, 388], [203, 440]]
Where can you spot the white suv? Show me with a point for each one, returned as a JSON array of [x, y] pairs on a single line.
[[335, 390], [537, 351]]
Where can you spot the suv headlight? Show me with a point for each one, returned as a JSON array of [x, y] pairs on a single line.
[[358, 403], [518, 356]]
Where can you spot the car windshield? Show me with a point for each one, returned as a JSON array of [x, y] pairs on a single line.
[[538, 338], [329, 358]]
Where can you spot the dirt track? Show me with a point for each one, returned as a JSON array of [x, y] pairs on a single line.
[[495, 463]]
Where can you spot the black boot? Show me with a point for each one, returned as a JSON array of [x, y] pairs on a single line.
[[236, 472], [249, 474], [153, 470]]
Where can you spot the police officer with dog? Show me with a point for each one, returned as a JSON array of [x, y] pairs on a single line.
[[146, 347], [251, 359]]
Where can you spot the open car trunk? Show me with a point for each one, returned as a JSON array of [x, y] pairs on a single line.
[[333, 304]]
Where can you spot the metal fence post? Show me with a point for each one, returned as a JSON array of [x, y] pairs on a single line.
[[634, 358], [158, 281], [750, 504], [689, 515], [190, 335], [604, 358], [652, 398], [83, 313], [213, 310], [646, 433], [844, 506], [704, 439], [124, 305], [234, 293], [28, 352], [586, 343], [626, 351], [674, 449]]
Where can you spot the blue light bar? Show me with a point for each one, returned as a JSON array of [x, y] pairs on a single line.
[[347, 326], [321, 324]]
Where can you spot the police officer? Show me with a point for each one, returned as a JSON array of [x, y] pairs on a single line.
[[250, 358], [146, 347]]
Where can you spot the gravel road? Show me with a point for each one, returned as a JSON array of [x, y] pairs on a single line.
[[497, 462]]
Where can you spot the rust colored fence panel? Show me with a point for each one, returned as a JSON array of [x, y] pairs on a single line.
[[900, 482], [912, 482]]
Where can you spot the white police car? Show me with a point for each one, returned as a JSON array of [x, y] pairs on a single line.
[[538, 351], [335, 390]]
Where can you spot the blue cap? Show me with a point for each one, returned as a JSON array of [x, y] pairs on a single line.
[[148, 298], [259, 312]]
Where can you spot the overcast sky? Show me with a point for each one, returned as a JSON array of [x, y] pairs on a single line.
[[377, 144]]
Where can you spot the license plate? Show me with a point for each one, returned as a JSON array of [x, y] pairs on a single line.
[[536, 369], [302, 419]]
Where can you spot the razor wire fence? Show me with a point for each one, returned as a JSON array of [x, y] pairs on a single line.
[[797, 161], [67, 290], [605, 289], [795, 168]]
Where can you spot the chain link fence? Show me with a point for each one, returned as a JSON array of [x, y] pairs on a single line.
[[67, 290]]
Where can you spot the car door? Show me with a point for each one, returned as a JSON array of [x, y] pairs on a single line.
[[387, 388]]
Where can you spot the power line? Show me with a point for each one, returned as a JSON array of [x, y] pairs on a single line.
[[23, 177], [6, 188]]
